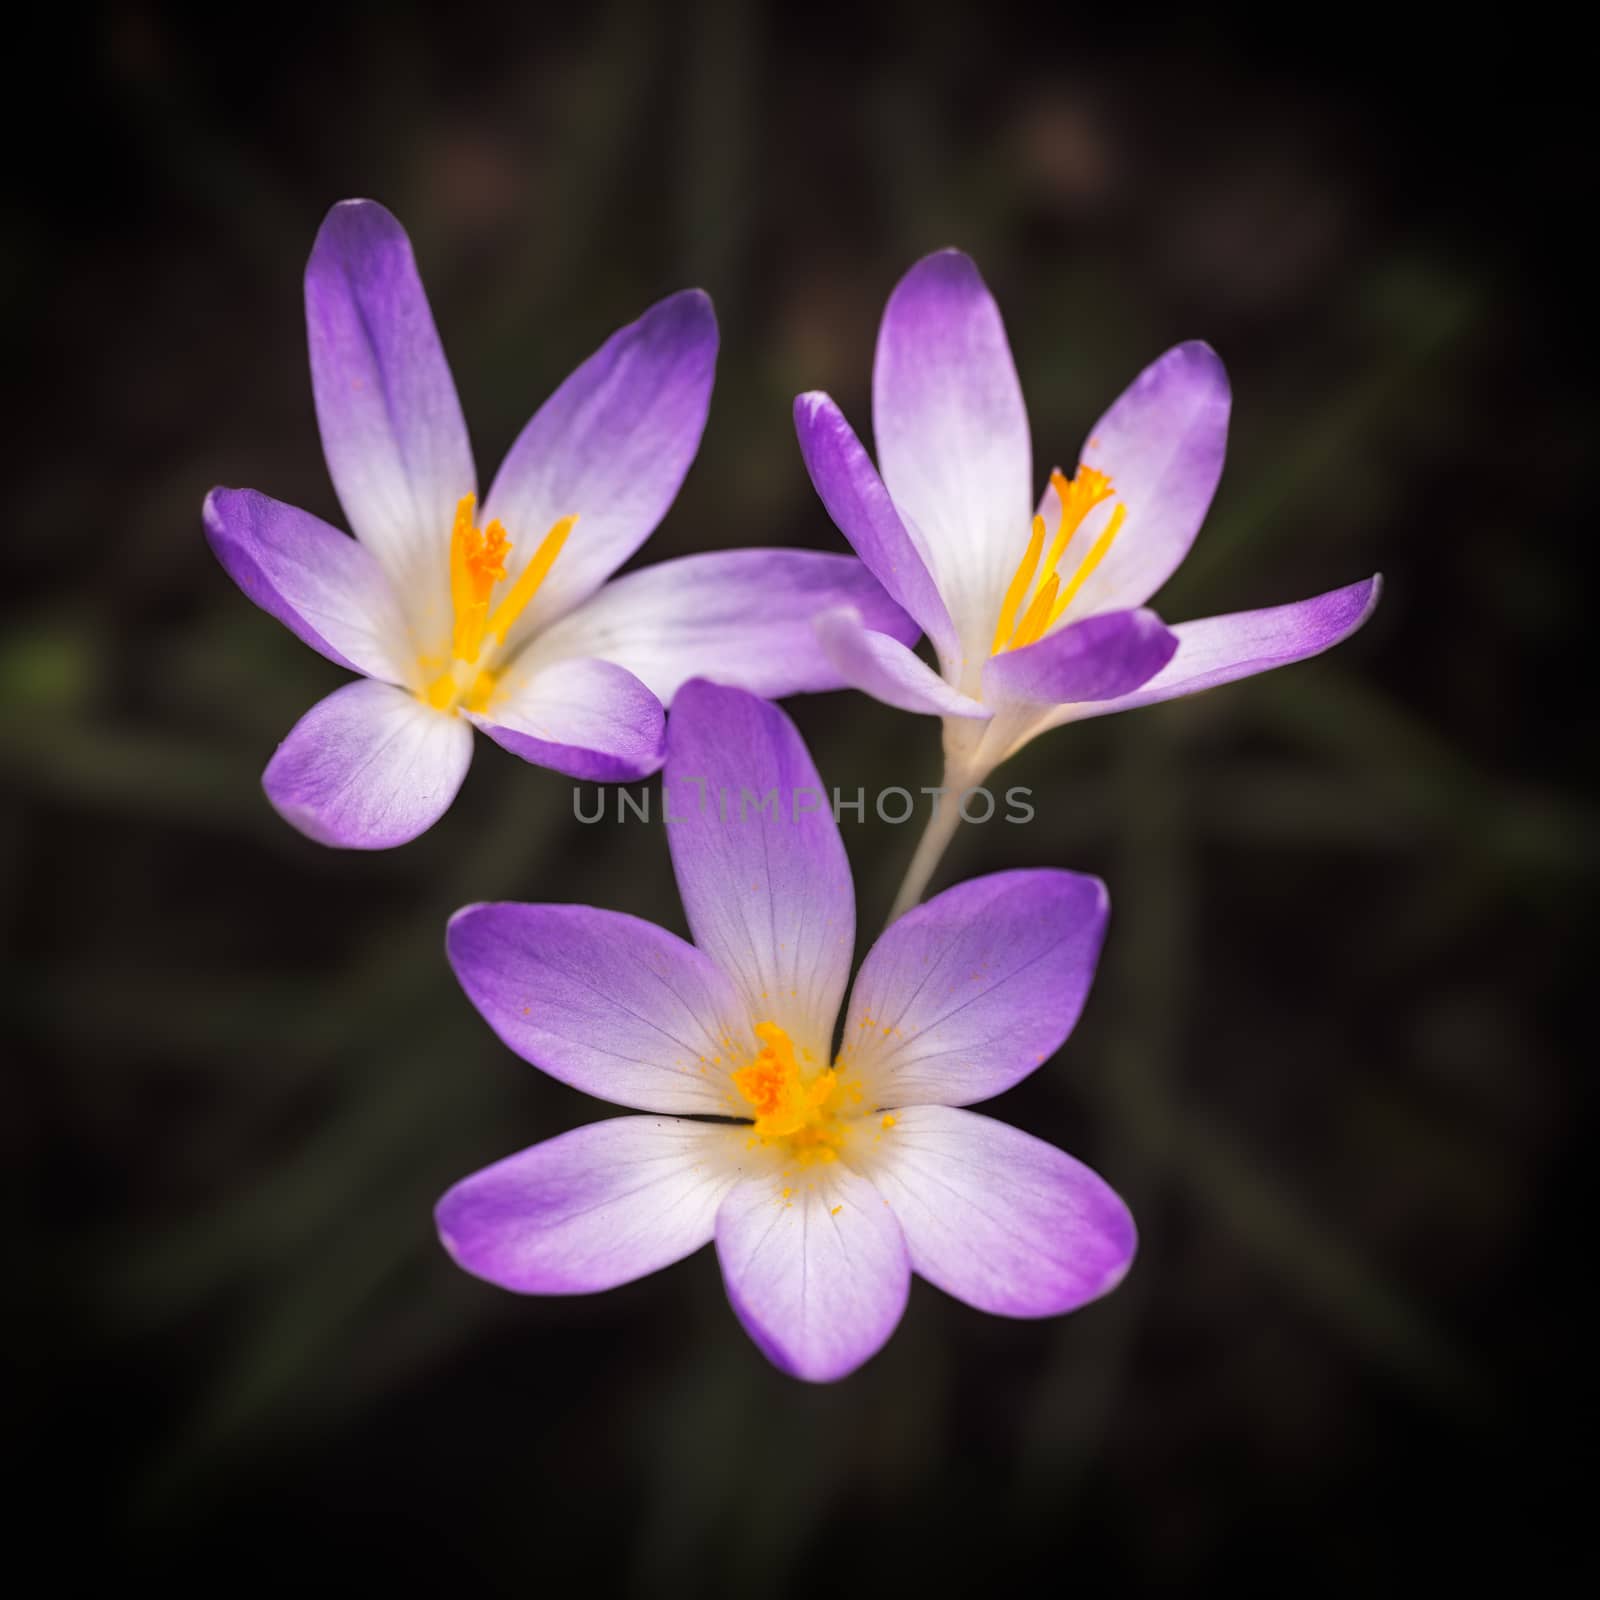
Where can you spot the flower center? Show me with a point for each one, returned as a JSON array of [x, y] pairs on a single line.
[[806, 1117], [1051, 597], [477, 565]]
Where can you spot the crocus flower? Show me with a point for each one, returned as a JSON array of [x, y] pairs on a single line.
[[501, 618], [1037, 618], [842, 1172]]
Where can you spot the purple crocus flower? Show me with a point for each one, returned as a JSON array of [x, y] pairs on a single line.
[[845, 1170], [501, 619], [1037, 617]]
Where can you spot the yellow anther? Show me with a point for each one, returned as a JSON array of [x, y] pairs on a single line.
[[478, 559], [769, 1082], [1078, 496], [1035, 618], [533, 575], [1018, 586], [800, 1114], [477, 564], [1097, 554]]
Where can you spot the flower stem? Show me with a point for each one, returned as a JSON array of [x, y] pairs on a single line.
[[931, 846]]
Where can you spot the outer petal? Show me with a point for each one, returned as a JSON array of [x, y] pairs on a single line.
[[589, 719], [1096, 659], [816, 1271], [616, 1007], [952, 434], [966, 994], [741, 617], [887, 670], [998, 1218], [1162, 443], [319, 583], [1217, 650], [368, 768], [596, 1207], [610, 446], [392, 429], [856, 499], [759, 862]]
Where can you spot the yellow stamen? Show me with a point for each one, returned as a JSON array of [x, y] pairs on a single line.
[[477, 564], [799, 1114], [1097, 554], [1072, 514], [477, 695], [533, 575], [1036, 616], [1019, 586], [1078, 496]]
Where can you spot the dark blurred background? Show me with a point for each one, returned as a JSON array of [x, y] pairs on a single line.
[[1325, 1058]]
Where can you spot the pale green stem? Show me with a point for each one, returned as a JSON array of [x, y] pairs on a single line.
[[936, 837]]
